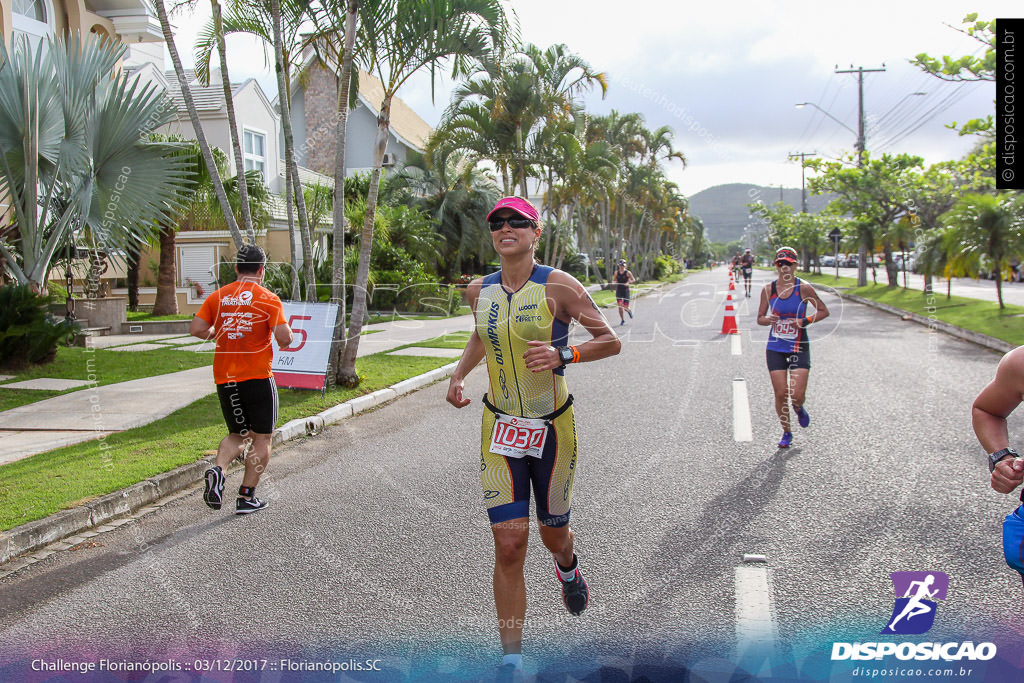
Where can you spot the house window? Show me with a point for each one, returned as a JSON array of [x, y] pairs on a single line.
[[255, 152], [32, 19]]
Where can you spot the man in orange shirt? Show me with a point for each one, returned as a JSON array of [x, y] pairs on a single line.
[[242, 316]]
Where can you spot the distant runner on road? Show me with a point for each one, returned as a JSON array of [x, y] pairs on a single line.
[[784, 304], [528, 437], [242, 316], [747, 268], [623, 279], [991, 408]]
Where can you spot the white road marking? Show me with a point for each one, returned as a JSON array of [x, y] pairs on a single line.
[[756, 631], [741, 426], [737, 346]]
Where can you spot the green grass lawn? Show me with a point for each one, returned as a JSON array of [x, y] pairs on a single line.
[[40, 485], [140, 316], [971, 314], [101, 366]]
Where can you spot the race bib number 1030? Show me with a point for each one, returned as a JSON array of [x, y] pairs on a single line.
[[515, 437]]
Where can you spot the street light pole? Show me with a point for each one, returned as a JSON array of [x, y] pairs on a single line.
[[803, 187]]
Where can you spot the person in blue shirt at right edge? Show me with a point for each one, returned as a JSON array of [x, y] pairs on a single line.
[[784, 304], [993, 405]]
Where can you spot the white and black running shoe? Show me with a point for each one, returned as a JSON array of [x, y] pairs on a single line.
[[213, 494], [244, 506], [575, 593]]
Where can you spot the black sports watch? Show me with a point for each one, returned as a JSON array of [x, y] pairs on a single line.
[[565, 354], [993, 458]]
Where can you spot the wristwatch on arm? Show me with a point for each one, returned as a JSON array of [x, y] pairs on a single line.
[[993, 458], [567, 354]]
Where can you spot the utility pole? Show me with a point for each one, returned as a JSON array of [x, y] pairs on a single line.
[[861, 142], [862, 251], [803, 186]]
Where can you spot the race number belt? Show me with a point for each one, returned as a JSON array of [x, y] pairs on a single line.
[[517, 437]]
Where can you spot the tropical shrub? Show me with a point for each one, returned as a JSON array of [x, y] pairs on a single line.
[[28, 334]]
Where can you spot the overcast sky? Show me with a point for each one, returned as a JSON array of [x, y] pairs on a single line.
[[726, 76]]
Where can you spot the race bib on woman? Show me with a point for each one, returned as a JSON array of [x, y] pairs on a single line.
[[787, 328], [515, 437]]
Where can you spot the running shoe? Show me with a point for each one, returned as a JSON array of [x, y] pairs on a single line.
[[630, 313], [787, 438], [244, 506], [803, 417], [575, 593], [622, 322], [213, 494]]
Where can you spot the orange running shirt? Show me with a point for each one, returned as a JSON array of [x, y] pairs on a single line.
[[243, 315]]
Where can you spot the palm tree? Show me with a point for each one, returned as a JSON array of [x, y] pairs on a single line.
[[229, 104], [990, 228], [402, 37], [260, 19], [197, 208], [456, 192], [71, 156], [197, 126]]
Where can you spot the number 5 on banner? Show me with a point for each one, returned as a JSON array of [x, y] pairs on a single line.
[[297, 330]]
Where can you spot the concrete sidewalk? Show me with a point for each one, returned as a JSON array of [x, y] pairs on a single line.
[[97, 411]]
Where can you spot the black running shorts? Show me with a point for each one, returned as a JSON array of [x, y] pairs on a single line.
[[748, 272], [249, 406], [778, 360]]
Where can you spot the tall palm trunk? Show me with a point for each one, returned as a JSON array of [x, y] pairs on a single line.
[[132, 276], [190, 105], [293, 237], [166, 287], [347, 372], [338, 228], [289, 151], [229, 102]]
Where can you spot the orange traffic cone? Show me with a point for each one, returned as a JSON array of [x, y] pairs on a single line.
[[729, 321], [732, 284]]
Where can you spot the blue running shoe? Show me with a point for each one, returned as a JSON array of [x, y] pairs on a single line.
[[623, 322], [803, 417], [787, 438], [630, 313]]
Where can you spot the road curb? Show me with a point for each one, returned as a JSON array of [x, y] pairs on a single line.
[[931, 322], [35, 535]]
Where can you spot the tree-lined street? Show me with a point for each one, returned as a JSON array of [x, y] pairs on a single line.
[[376, 543]]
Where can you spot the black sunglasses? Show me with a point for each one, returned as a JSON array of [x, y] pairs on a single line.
[[497, 223]]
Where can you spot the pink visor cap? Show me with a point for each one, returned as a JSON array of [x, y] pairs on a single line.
[[517, 204]]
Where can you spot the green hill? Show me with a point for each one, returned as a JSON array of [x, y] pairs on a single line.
[[723, 208]]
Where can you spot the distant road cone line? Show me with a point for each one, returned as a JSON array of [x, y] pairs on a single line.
[[729, 321]]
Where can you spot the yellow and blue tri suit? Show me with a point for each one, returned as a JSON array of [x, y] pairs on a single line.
[[505, 322]]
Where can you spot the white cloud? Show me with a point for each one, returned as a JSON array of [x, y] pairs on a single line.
[[726, 75]]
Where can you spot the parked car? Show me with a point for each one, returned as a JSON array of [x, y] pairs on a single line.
[[828, 261], [898, 259]]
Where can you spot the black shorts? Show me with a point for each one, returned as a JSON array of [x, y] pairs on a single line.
[[249, 406], [748, 272], [789, 361]]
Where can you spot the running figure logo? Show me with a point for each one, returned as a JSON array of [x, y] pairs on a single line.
[[916, 593]]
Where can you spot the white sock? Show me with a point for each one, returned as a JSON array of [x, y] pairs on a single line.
[[571, 573], [514, 660]]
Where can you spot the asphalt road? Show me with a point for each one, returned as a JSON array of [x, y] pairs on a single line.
[[376, 544]]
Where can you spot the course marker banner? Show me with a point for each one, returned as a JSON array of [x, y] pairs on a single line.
[[303, 365]]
